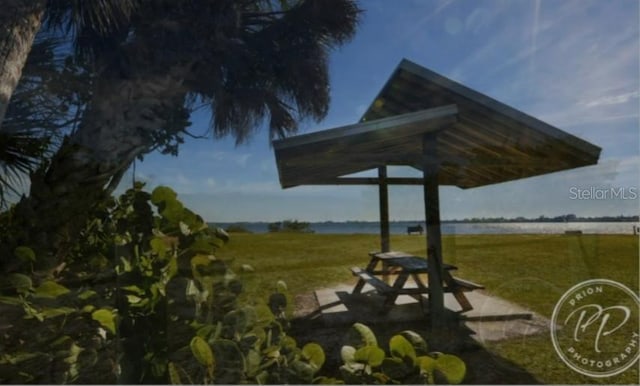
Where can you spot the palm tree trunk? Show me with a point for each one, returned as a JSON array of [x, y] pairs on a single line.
[[19, 23], [118, 125]]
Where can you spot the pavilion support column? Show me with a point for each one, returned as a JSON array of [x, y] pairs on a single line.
[[385, 245], [434, 245]]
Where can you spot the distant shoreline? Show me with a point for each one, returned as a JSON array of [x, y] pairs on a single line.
[[449, 228], [628, 219]]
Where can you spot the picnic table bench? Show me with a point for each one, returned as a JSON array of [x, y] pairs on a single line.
[[405, 266]]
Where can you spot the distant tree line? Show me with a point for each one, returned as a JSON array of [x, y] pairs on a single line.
[[290, 226], [542, 218]]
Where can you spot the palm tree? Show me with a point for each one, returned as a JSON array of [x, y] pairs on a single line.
[[250, 60], [20, 21]]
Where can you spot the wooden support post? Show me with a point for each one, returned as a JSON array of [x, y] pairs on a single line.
[[384, 209], [432, 214]]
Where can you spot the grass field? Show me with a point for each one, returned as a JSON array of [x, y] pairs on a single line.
[[531, 270]]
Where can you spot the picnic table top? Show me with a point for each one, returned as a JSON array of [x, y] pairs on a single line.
[[406, 261]]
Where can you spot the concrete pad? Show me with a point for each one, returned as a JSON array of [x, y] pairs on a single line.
[[491, 319]]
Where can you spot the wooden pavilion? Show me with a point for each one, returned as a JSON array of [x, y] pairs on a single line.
[[453, 134]]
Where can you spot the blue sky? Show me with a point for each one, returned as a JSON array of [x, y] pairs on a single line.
[[573, 64]]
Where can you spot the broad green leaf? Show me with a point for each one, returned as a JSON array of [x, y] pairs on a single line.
[[18, 357], [263, 314], [347, 353], [371, 355], [50, 290], [452, 367], [134, 288], [282, 286], [206, 331], [171, 269], [289, 343], [72, 360], [184, 229], [61, 340], [106, 318], [25, 254], [263, 377], [87, 294], [122, 239], [173, 211], [158, 246], [174, 375], [10, 300], [427, 364], [31, 312], [22, 283], [253, 360], [162, 194], [237, 321], [314, 353], [401, 348], [53, 312], [202, 352], [88, 308], [201, 259], [304, 371], [417, 341], [126, 265], [202, 245], [363, 335], [133, 299]]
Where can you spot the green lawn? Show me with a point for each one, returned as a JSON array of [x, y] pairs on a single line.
[[531, 270]]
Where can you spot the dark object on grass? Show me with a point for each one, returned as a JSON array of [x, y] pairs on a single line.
[[415, 229]]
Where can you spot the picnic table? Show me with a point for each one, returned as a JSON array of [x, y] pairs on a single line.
[[404, 266]]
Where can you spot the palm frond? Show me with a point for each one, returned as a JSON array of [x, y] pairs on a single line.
[[96, 25], [20, 153], [100, 16], [273, 67]]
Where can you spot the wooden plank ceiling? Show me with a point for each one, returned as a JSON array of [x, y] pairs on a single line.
[[480, 141]]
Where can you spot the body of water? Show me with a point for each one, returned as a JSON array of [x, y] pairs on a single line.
[[400, 227]]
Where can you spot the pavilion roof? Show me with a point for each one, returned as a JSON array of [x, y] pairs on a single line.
[[480, 141]]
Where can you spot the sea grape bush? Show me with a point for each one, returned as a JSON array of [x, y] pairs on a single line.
[[154, 241], [144, 298], [136, 242]]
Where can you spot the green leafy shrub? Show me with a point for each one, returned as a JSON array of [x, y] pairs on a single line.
[[155, 244], [408, 362], [240, 343], [150, 237]]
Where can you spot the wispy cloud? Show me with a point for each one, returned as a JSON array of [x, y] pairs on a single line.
[[237, 158], [611, 99]]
